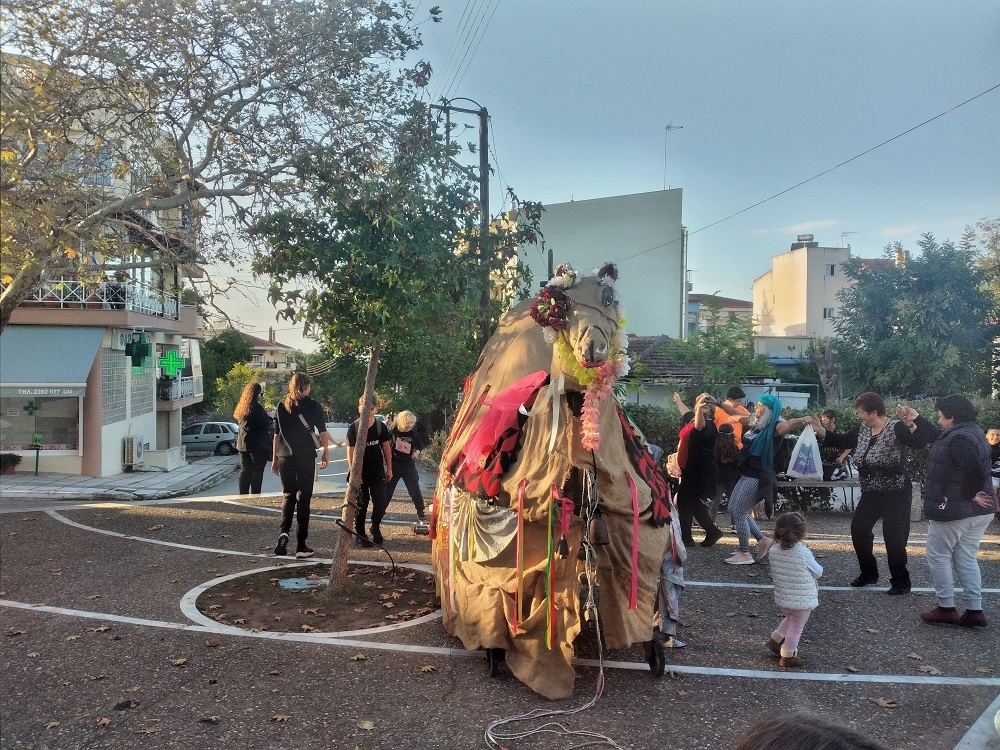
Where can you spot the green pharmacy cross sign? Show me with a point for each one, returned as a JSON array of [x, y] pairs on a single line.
[[171, 364], [31, 407]]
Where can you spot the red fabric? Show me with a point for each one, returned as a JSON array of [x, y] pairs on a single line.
[[682, 445], [646, 468]]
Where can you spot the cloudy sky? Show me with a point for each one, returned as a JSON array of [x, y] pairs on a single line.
[[768, 95]]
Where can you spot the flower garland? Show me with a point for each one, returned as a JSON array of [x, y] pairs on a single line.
[[550, 309]]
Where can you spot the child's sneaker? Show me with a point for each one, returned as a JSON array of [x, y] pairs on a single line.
[[303, 552], [791, 661], [740, 558], [281, 548]]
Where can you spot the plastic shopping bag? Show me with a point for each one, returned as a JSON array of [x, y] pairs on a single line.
[[805, 462]]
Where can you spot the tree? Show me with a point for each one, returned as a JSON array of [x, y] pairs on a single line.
[[917, 325], [823, 353], [722, 353], [386, 248], [230, 388], [125, 121], [218, 355]]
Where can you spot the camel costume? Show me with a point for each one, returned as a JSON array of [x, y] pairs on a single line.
[[539, 454]]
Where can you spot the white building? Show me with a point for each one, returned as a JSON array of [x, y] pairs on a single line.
[[796, 300], [642, 235]]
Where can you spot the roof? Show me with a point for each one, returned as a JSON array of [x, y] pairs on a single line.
[[708, 299], [645, 350], [257, 343], [47, 360]]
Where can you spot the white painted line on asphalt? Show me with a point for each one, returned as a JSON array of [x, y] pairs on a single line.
[[724, 585], [190, 608], [985, 732], [454, 652]]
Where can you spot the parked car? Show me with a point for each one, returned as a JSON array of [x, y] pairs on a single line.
[[219, 437]]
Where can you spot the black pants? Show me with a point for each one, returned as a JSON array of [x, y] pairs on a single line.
[[894, 510], [690, 508], [372, 493], [407, 471], [252, 465], [298, 474]]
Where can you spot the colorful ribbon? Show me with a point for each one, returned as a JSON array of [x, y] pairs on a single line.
[[633, 596], [519, 596]]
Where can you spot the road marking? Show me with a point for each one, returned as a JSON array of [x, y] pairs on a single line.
[[984, 731]]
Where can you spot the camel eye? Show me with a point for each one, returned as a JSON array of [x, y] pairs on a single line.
[[607, 296]]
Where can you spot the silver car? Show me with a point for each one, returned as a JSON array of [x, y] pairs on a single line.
[[218, 437]]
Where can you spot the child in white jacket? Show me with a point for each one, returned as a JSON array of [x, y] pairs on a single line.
[[794, 571]]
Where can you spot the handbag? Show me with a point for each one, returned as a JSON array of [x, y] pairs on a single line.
[[805, 462], [312, 433]]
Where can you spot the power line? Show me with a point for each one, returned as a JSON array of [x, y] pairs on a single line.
[[478, 42], [449, 88], [817, 176], [449, 55]]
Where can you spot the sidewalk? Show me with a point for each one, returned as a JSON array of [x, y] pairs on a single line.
[[138, 485]]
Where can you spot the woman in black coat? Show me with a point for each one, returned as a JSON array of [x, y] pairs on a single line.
[[253, 440]]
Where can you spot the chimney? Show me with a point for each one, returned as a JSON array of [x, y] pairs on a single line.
[[270, 334]]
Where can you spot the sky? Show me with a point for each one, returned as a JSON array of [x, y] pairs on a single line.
[[767, 95]]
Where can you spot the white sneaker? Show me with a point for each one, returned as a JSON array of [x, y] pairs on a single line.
[[740, 558]]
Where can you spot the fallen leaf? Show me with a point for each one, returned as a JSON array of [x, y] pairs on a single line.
[[179, 662], [126, 705], [52, 725], [240, 621], [984, 670], [358, 657], [154, 528], [274, 673], [72, 638], [914, 655], [929, 669], [280, 717], [873, 631], [753, 575], [213, 642], [388, 605], [148, 730], [33, 654], [209, 719], [243, 599], [359, 610], [366, 725], [94, 596], [215, 606], [101, 629], [682, 693], [428, 668], [311, 611], [883, 703], [852, 669], [308, 629], [103, 722], [133, 689]]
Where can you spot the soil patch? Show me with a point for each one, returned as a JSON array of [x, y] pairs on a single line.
[[373, 598]]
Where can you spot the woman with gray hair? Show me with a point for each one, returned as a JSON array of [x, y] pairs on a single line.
[[406, 446]]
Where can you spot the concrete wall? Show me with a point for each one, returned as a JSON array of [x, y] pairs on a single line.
[[589, 232]]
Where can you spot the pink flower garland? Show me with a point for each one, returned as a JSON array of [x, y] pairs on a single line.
[[598, 390]]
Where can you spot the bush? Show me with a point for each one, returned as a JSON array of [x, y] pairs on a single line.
[[9, 462], [659, 426]]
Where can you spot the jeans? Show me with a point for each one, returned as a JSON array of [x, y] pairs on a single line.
[[894, 510], [955, 543], [745, 496], [371, 492], [252, 464], [298, 474], [407, 471]]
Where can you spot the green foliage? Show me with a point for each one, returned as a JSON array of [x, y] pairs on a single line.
[[660, 426], [218, 355], [723, 353], [229, 389], [917, 325]]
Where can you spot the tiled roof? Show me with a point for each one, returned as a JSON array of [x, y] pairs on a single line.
[[707, 299], [257, 343], [656, 364]]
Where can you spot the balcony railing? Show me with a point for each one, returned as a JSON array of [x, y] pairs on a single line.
[[178, 388], [273, 365], [104, 295]]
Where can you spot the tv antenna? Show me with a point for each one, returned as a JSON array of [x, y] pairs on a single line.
[[843, 237], [667, 130]]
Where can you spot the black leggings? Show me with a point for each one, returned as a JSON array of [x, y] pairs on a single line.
[[371, 492], [691, 508], [407, 471], [298, 474]]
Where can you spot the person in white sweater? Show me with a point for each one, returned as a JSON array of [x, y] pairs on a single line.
[[794, 571]]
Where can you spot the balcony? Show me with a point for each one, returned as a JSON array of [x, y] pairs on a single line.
[[176, 393], [287, 366], [119, 304]]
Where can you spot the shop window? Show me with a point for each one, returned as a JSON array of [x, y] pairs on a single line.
[[56, 420]]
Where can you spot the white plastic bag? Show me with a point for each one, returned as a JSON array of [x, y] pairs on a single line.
[[805, 462]]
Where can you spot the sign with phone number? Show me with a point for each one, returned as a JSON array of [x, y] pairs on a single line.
[[29, 391]]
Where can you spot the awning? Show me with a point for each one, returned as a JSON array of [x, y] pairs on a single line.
[[47, 360]]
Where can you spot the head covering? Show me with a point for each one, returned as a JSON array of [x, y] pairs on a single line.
[[763, 444]]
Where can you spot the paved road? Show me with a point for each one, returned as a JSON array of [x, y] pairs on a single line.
[[97, 625]]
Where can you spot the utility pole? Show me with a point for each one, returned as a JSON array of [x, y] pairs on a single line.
[[484, 200]]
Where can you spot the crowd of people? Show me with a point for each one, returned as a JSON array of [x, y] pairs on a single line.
[[959, 494]]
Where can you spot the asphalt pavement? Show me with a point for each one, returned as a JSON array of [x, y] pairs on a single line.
[[101, 646]]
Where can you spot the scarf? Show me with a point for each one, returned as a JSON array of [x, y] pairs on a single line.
[[762, 445]]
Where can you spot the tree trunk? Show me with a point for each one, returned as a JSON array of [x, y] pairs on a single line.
[[342, 545]]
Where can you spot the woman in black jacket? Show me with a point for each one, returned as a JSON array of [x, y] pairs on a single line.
[[253, 440], [959, 505]]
